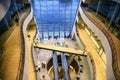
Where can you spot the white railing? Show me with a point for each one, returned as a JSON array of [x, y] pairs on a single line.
[[25, 24]]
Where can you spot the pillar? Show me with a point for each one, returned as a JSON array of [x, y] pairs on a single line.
[[114, 14], [99, 2], [55, 66], [65, 67]]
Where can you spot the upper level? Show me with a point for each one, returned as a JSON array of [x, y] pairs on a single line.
[[107, 26], [108, 12]]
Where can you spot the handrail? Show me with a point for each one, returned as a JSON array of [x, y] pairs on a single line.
[[22, 56], [88, 54], [34, 57], [79, 37], [91, 58], [109, 38]]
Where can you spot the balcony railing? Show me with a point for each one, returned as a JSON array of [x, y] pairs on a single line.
[[115, 63], [22, 55]]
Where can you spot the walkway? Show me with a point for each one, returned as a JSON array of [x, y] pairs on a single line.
[[31, 30], [100, 66], [11, 56], [59, 49], [116, 41], [45, 56]]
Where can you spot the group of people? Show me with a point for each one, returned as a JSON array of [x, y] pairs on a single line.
[[38, 66]]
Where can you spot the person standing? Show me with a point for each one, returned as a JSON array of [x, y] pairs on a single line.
[[39, 66]]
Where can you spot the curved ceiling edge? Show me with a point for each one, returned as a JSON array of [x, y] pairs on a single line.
[[4, 6]]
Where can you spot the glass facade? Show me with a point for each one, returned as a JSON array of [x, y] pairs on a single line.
[[110, 11], [55, 17], [106, 8]]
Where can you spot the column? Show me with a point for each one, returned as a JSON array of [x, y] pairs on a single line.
[[55, 66], [99, 2], [114, 14], [48, 33], [65, 67], [59, 28]]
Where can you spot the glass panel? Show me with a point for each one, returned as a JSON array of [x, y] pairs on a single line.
[[56, 34], [55, 16], [51, 35], [45, 34], [61, 34], [40, 35]]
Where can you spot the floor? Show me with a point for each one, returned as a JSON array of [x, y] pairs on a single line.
[[45, 55], [10, 62], [114, 33], [99, 64], [11, 56], [31, 71], [56, 47]]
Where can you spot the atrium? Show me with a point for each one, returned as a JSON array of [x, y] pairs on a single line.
[[59, 40]]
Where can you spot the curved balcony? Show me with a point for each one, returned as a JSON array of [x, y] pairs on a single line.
[[24, 27], [110, 44], [114, 44]]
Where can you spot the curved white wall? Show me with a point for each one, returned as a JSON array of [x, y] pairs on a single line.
[[105, 43], [25, 24]]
